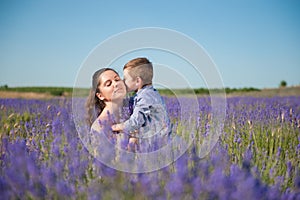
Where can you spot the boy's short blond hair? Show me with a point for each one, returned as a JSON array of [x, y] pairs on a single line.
[[140, 67]]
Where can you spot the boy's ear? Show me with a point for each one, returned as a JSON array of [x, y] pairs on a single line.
[[99, 95], [138, 80]]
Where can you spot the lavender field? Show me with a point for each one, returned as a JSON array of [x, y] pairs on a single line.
[[256, 157]]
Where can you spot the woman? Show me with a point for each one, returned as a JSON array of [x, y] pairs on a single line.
[[105, 99]]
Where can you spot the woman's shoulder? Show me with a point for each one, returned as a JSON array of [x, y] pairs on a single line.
[[96, 125], [99, 123]]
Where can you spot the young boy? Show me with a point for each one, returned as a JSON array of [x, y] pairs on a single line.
[[149, 118]]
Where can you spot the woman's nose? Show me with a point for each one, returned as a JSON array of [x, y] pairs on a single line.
[[116, 83]]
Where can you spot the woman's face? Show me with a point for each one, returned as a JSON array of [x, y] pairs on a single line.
[[111, 87]]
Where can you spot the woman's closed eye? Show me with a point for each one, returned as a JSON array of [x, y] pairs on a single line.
[[108, 83]]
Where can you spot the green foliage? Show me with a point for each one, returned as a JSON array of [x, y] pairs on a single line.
[[245, 89], [204, 91], [57, 92], [283, 83], [4, 87], [67, 91], [37, 89]]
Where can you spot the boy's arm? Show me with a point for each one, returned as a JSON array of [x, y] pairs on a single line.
[[118, 127], [137, 119], [139, 116]]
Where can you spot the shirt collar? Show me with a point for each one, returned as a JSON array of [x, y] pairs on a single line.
[[144, 88]]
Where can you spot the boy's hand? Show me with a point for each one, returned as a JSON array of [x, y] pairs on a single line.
[[117, 127]]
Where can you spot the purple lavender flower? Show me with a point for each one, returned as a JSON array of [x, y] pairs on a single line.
[[289, 168], [278, 152], [55, 163], [175, 187]]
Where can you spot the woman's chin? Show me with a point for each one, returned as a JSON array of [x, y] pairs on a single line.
[[118, 96]]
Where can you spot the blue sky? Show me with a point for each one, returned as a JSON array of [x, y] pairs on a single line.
[[253, 43]]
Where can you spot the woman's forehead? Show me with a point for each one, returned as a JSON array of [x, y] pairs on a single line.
[[107, 75]]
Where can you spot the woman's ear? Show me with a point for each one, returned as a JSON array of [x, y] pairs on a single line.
[[99, 95]]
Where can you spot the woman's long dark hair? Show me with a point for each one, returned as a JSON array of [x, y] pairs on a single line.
[[94, 106]]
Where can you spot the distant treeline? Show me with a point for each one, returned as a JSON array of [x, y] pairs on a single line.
[[67, 91], [203, 91], [55, 91]]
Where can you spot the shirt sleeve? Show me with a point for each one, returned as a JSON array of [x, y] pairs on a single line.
[[139, 116]]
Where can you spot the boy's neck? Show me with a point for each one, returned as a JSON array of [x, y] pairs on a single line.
[[149, 84]]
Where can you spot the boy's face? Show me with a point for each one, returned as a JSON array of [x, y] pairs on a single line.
[[130, 83]]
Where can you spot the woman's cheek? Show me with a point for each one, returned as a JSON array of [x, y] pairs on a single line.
[[109, 92]]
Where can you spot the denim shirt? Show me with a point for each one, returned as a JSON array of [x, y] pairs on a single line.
[[149, 115]]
